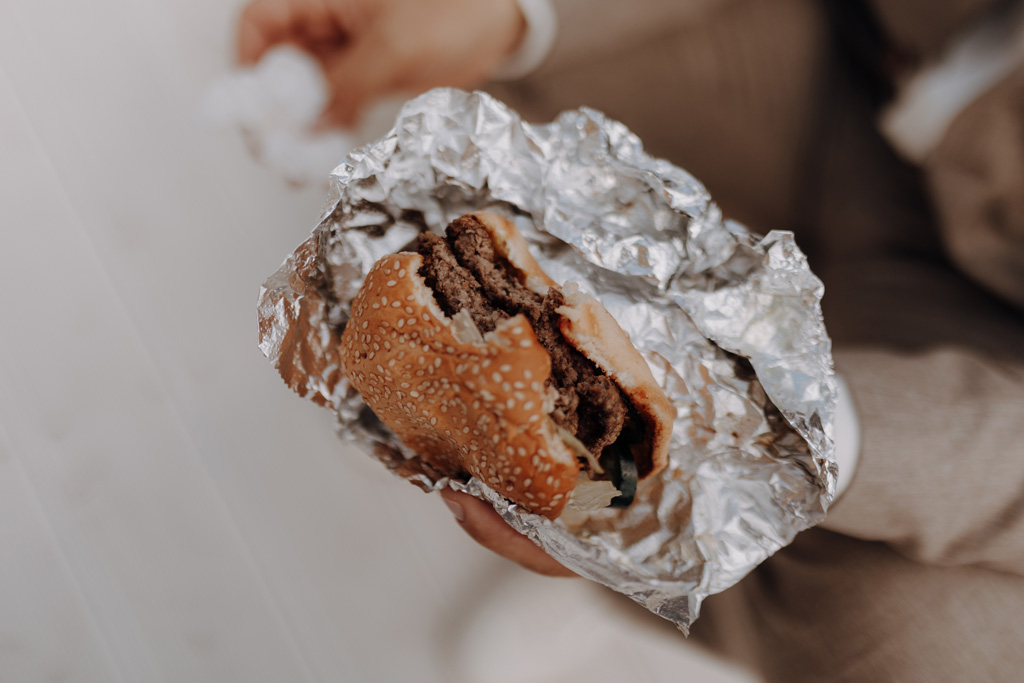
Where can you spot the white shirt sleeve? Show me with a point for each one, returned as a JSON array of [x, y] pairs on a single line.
[[541, 29], [847, 436]]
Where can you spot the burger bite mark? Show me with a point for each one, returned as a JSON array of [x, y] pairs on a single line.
[[477, 311]]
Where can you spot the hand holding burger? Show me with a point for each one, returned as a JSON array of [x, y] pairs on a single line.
[[478, 519]]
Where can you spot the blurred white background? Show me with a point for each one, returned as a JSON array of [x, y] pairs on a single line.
[[169, 511]]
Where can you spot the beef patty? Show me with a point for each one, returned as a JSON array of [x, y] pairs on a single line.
[[465, 273]]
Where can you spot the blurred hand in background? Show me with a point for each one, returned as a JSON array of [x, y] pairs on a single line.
[[373, 48]]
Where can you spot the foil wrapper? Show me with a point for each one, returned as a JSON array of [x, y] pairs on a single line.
[[729, 322]]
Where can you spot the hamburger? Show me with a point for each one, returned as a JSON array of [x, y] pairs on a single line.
[[482, 365]]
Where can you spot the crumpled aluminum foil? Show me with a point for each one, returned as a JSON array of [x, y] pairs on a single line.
[[729, 322]]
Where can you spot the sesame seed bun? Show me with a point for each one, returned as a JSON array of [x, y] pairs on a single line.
[[480, 404]]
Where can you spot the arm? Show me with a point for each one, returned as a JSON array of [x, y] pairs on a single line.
[[941, 476], [941, 471], [976, 174]]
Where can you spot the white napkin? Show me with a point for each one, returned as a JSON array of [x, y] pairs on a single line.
[[276, 104]]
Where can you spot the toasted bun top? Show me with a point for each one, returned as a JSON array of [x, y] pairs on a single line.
[[477, 406]]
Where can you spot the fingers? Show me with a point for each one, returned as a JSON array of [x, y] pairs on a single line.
[[263, 23], [488, 529], [373, 48], [311, 24]]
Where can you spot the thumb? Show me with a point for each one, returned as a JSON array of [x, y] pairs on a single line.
[[488, 529]]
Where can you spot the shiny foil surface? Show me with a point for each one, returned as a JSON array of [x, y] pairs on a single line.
[[729, 322]]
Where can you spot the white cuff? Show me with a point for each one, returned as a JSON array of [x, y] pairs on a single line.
[[541, 29], [927, 104], [847, 436]]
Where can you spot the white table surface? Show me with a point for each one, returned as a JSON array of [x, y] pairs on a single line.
[[169, 511]]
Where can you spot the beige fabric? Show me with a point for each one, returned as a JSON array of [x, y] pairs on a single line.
[[702, 91], [831, 608], [954, 498], [925, 581]]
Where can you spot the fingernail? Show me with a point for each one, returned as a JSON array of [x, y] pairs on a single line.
[[457, 511]]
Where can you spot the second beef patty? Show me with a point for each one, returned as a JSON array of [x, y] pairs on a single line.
[[466, 273]]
